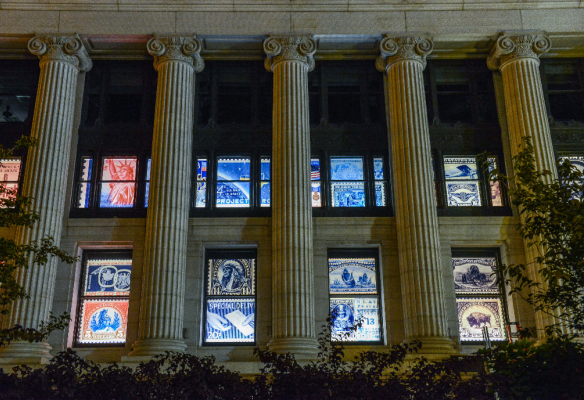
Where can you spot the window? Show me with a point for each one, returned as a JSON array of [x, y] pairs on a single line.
[[463, 116], [354, 289], [479, 300], [466, 183], [232, 140], [241, 182], [460, 91], [9, 177], [104, 291], [348, 140], [563, 82], [353, 181], [112, 182], [115, 140], [230, 297]]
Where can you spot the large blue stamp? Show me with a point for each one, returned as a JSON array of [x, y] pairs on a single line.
[[347, 313], [460, 168], [108, 277], [232, 194], [475, 275], [231, 277], [463, 193], [233, 169], [346, 168], [352, 276], [230, 320], [348, 194]]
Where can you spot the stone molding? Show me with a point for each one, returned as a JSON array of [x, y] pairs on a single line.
[[61, 48], [513, 46], [176, 48], [289, 48], [403, 48]]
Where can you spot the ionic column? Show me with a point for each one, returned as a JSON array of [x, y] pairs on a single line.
[[177, 60], [516, 55], [290, 59], [62, 58], [403, 59]]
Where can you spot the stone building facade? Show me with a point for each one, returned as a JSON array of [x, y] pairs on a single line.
[[302, 58]]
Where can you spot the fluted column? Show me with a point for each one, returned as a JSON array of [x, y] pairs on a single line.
[[177, 60], [290, 59], [516, 55], [62, 58], [403, 60]]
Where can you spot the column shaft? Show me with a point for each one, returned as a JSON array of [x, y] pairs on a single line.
[[292, 269], [415, 208], [163, 288], [62, 58], [516, 55]]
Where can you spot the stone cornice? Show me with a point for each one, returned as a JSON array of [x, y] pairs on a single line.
[[513, 46], [403, 48], [61, 48], [176, 48], [289, 48]]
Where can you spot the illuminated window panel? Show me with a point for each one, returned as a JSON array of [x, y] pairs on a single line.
[[201, 190], [346, 168], [495, 187], [577, 162], [463, 193], [474, 275], [478, 297], [148, 166], [378, 168], [265, 195], [84, 185], [230, 301], [460, 168], [233, 182], [348, 194], [102, 317], [9, 176], [476, 313], [118, 182], [315, 182], [354, 296]]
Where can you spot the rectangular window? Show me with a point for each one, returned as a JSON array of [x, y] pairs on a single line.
[[116, 182], [230, 297], [479, 301], [9, 177], [102, 312], [380, 184], [462, 183], [347, 182], [354, 294]]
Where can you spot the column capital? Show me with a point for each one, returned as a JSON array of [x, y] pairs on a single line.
[[289, 48], [176, 48], [516, 45], [61, 48], [403, 48]]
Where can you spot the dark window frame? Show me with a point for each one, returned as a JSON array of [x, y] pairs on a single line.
[[361, 253], [545, 65], [228, 253], [461, 252], [80, 298]]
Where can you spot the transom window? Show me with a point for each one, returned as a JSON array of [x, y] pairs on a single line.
[[563, 82]]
